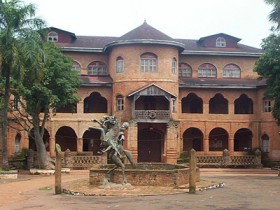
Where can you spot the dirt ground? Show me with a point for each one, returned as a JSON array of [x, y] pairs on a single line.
[[244, 189]]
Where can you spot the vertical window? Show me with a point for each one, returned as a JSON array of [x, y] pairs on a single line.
[[119, 65], [17, 143], [221, 42], [97, 68], [174, 65], [173, 105], [231, 71], [52, 36], [120, 103], [16, 102], [76, 66], [185, 70], [148, 62], [267, 107], [207, 70], [265, 143]]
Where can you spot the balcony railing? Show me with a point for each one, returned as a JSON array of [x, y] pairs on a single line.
[[151, 115]]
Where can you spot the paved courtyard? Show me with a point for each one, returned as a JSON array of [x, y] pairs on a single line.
[[244, 189]]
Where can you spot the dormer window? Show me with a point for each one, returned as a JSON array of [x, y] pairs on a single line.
[[221, 42], [52, 36]]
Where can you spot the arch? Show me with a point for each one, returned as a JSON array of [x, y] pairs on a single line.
[[192, 104], [68, 108], [185, 70], [231, 71], [95, 103], [119, 64], [52, 36], [243, 105], [218, 105], [76, 66], [17, 148], [174, 65], [221, 42], [91, 141], [243, 140], [218, 139], [66, 138], [265, 143], [192, 139], [97, 68], [46, 140], [150, 145], [148, 62], [207, 70]]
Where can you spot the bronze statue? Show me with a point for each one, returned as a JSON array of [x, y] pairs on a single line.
[[112, 138]]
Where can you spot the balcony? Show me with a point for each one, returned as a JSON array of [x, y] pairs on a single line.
[[152, 115]]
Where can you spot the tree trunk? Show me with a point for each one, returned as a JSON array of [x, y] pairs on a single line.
[[43, 157], [5, 162]]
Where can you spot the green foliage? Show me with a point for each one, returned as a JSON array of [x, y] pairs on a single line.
[[51, 83], [268, 67]]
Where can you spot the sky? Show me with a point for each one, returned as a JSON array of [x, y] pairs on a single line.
[[179, 19]]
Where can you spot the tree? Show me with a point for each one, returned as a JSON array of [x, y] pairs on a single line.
[[17, 22], [47, 84], [274, 15], [268, 67]]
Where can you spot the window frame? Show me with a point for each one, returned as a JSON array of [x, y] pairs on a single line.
[[267, 105], [148, 63], [53, 36], [174, 66], [228, 71], [119, 103], [205, 72], [76, 66], [97, 68], [183, 70], [221, 42], [119, 65]]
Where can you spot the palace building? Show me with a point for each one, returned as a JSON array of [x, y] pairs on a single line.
[[176, 94]]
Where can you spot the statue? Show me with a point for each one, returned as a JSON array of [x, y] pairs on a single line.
[[112, 138]]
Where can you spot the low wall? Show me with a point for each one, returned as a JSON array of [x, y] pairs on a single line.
[[165, 175]]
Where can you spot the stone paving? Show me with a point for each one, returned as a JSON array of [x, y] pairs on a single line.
[[244, 189]]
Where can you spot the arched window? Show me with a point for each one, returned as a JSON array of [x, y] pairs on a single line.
[[218, 105], [243, 105], [174, 65], [119, 103], [119, 65], [221, 42], [185, 70], [97, 68], [265, 143], [52, 36], [148, 62], [231, 71], [95, 103], [192, 104], [207, 70], [76, 66], [17, 143]]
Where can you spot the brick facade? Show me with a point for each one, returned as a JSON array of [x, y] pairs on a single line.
[[163, 140]]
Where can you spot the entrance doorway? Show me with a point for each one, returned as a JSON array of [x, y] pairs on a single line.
[[150, 145]]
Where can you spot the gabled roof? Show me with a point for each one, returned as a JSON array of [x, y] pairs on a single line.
[[220, 35], [143, 89], [63, 31]]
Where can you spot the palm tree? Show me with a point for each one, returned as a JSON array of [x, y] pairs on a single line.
[[274, 15], [20, 38]]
